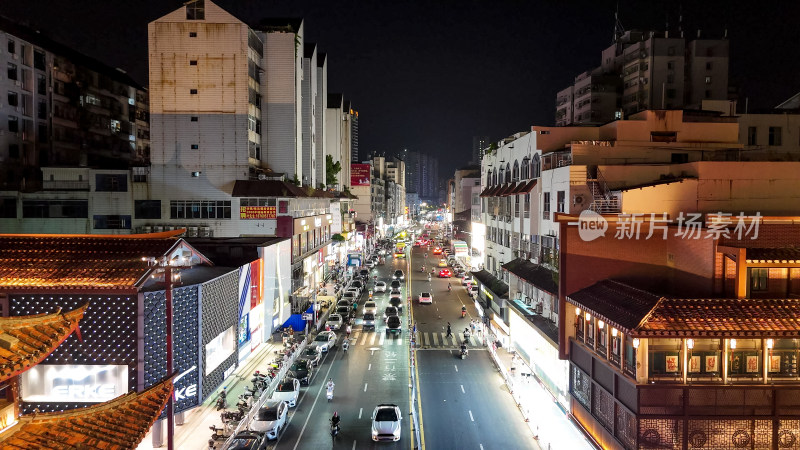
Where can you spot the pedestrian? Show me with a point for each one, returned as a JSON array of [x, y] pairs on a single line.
[[449, 331]]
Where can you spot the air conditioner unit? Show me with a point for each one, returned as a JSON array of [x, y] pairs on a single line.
[[192, 232], [577, 199], [18, 83], [261, 176], [205, 231], [158, 229], [146, 229]]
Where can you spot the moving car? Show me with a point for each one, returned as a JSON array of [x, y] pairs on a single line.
[[380, 286], [386, 422], [396, 292], [445, 273], [396, 284], [368, 321], [389, 311], [311, 354], [301, 370], [399, 254], [270, 418], [248, 440], [437, 250], [398, 275], [288, 390], [425, 297], [442, 263], [334, 322], [393, 324], [325, 341], [397, 302], [370, 307], [345, 311], [358, 284], [363, 273]]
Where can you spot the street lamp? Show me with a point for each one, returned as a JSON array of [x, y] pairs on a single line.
[[166, 265]]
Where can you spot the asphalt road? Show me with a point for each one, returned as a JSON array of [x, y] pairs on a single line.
[[374, 370], [464, 404]]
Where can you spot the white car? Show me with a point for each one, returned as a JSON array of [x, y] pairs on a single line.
[[466, 280], [370, 307], [270, 418], [425, 297], [288, 390], [325, 341], [398, 275], [386, 422], [334, 322], [380, 286], [370, 263]]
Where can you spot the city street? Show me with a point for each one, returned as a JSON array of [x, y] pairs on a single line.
[[464, 403], [374, 370]]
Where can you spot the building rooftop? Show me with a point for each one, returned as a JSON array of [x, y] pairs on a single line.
[[47, 261], [493, 283], [267, 188]]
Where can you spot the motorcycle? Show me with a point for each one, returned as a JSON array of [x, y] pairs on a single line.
[[334, 429], [464, 352], [463, 312], [222, 402], [330, 395], [345, 346]]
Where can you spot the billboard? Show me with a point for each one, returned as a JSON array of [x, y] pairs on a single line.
[[62, 383], [360, 174]]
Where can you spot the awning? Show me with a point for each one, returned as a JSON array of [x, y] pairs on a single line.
[[497, 328], [525, 187]]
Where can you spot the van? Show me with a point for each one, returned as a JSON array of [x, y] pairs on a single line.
[[369, 321]]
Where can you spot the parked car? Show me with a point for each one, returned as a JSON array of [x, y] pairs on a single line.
[[325, 341], [425, 297], [312, 354], [370, 263], [380, 286], [301, 370], [386, 422], [334, 322], [363, 273], [270, 418], [397, 302], [288, 390], [248, 440], [368, 321], [473, 290], [358, 284], [467, 279], [396, 284], [396, 292], [370, 307], [393, 324], [389, 311], [345, 311], [398, 275]]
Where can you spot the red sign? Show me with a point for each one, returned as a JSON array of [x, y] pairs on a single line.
[[257, 212], [359, 174]]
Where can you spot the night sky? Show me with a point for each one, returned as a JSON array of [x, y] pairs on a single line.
[[427, 75]]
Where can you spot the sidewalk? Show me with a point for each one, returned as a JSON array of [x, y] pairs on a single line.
[[553, 428]]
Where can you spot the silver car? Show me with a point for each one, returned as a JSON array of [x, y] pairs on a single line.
[[325, 341], [270, 418], [386, 422]]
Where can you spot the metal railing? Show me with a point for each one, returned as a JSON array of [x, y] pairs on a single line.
[[245, 422]]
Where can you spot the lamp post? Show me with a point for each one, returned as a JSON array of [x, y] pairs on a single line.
[[165, 266]]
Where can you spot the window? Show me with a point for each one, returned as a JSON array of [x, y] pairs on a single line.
[[192, 91], [13, 99], [671, 65], [147, 209], [527, 206], [670, 51], [12, 71], [758, 279], [38, 60], [708, 80], [112, 222], [546, 206], [197, 209], [560, 200], [670, 78], [679, 158], [670, 93], [13, 124], [41, 84], [54, 209], [111, 182], [41, 112], [708, 66], [708, 93], [775, 136], [516, 205], [192, 34], [193, 119], [195, 146], [13, 150], [193, 62], [515, 175], [196, 10], [751, 135], [42, 133], [8, 208]]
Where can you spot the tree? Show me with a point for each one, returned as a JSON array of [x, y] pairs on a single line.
[[332, 169]]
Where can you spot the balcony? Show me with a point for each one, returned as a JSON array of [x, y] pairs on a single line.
[[65, 185]]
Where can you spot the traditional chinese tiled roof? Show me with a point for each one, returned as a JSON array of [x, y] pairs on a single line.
[[773, 254], [620, 305], [26, 341], [118, 424], [44, 261], [644, 314], [491, 282], [534, 274]]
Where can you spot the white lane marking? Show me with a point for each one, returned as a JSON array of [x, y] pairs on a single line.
[[455, 367], [365, 387], [383, 336], [372, 339], [462, 389], [470, 416], [369, 367], [354, 444], [360, 410], [481, 446]]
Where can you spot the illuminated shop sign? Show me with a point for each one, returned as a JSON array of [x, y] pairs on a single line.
[[220, 348], [257, 212], [185, 387], [74, 383]]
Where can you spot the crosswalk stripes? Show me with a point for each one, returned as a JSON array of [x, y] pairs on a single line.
[[424, 340]]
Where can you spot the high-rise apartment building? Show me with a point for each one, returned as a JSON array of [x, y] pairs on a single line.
[[479, 144], [646, 70], [64, 109]]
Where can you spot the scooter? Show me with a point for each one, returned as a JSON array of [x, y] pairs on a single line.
[[217, 436], [330, 395], [222, 402], [464, 352], [345, 345], [463, 312], [334, 430]]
